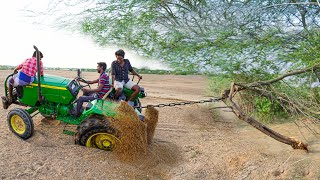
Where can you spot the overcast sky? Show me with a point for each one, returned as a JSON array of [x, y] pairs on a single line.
[[61, 48]]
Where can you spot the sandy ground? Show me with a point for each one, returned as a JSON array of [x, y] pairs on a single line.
[[191, 142]]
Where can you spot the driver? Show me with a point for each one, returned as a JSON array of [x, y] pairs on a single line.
[[92, 94]]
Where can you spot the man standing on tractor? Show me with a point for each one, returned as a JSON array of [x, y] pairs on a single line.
[[120, 76], [25, 75], [97, 93]]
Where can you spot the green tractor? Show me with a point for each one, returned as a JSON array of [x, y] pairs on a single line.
[[53, 97]]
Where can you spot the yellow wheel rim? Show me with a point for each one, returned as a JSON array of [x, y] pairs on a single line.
[[18, 124], [102, 141]]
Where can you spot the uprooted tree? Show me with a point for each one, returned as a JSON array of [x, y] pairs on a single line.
[[305, 106]]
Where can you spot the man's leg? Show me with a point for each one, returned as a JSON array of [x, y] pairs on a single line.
[[7, 100], [10, 89], [119, 87], [81, 100], [14, 82], [118, 93], [11, 82], [136, 90]]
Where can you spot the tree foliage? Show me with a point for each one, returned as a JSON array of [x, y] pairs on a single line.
[[248, 37], [242, 40]]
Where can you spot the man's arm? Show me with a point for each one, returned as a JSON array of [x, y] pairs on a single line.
[[113, 73], [113, 79], [103, 81], [16, 69], [133, 71], [93, 90], [92, 82], [41, 68]]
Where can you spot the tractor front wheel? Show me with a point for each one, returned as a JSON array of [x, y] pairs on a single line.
[[96, 132], [20, 123]]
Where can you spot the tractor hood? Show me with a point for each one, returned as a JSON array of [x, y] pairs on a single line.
[[52, 81], [54, 89]]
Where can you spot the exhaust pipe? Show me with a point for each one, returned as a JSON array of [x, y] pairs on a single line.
[[40, 99]]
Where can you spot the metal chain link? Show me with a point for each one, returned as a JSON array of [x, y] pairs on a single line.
[[183, 103]]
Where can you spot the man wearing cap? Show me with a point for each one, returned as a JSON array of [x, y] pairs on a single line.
[[97, 93], [120, 76]]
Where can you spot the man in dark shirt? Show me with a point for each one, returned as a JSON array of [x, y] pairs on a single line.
[[97, 93], [120, 76]]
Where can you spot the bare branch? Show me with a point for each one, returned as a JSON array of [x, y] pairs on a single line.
[[296, 72]]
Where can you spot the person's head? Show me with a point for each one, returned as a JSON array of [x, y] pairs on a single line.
[[102, 66], [120, 54], [35, 54]]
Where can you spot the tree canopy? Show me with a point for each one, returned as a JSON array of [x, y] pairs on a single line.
[[224, 36], [241, 40]]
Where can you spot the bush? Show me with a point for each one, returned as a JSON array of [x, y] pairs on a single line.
[[251, 103], [267, 110], [218, 83]]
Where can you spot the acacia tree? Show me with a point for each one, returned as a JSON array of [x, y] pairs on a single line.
[[228, 36], [231, 36]]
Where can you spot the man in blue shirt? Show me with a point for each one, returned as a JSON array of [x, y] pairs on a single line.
[[120, 76]]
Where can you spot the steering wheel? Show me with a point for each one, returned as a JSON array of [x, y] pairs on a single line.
[[81, 81]]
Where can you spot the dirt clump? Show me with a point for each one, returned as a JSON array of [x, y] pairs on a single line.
[[151, 120], [132, 132]]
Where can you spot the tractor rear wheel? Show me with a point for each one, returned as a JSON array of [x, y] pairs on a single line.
[[96, 132], [20, 123]]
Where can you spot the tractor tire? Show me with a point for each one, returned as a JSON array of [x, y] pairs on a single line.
[[20, 123], [96, 132]]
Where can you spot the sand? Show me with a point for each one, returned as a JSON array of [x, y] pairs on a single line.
[[189, 142]]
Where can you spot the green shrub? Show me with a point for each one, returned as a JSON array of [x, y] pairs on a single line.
[[251, 103], [269, 111], [218, 83]]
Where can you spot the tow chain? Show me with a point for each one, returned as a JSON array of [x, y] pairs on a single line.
[[183, 103]]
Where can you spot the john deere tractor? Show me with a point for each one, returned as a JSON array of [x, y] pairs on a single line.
[[53, 97]]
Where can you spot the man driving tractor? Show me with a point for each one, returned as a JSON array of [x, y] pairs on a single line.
[[26, 75], [120, 76], [92, 94]]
